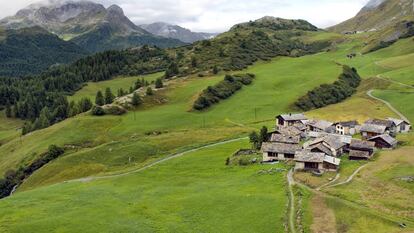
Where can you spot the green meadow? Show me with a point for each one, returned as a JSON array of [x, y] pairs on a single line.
[[197, 192]]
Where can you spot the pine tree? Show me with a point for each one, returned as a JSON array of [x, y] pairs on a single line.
[[109, 97], [84, 105], [254, 140], [263, 135], [44, 118], [158, 83], [149, 91], [194, 62], [136, 100], [8, 110], [215, 70], [99, 99]]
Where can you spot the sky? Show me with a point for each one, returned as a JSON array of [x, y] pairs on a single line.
[[220, 15]]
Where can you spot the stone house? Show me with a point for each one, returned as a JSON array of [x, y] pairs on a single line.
[[361, 150], [346, 127], [276, 151], [290, 119], [402, 126], [384, 141], [372, 130], [329, 145]]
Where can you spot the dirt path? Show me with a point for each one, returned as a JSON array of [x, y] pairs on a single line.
[[350, 178], [173, 156], [393, 81], [291, 182], [323, 217], [330, 182], [369, 93]]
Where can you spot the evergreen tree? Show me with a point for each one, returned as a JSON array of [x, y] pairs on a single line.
[[121, 92], [136, 100], [138, 84], [254, 140], [194, 62], [149, 91], [8, 110], [172, 70], [158, 83], [84, 105], [44, 118], [263, 135], [99, 99], [215, 70], [109, 97]]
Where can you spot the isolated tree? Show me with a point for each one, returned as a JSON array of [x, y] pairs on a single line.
[[215, 70], [158, 83], [99, 99], [254, 140], [263, 135], [109, 97], [136, 99], [149, 91]]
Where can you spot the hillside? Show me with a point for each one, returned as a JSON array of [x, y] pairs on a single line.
[[387, 20], [88, 24], [32, 50], [176, 32]]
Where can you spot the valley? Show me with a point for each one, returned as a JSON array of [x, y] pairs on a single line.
[[163, 166]]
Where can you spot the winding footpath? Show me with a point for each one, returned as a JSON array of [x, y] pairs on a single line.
[[350, 178], [291, 182], [369, 93], [172, 156]]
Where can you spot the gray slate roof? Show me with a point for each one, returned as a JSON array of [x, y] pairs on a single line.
[[347, 123], [277, 147], [332, 141], [293, 117], [360, 144], [332, 160], [373, 128], [307, 156], [343, 138], [397, 121], [285, 138], [386, 123], [320, 124], [359, 154], [289, 131], [387, 138]]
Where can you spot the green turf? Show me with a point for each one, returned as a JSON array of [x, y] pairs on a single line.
[[194, 193], [91, 88]]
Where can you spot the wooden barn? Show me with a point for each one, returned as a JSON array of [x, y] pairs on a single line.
[[384, 141], [361, 150]]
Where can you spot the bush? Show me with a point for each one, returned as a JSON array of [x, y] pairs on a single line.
[[222, 90], [98, 111], [115, 110], [327, 94]]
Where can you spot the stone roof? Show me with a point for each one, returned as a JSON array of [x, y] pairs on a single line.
[[277, 147], [360, 144], [343, 138], [386, 123], [319, 124], [373, 128], [307, 156], [332, 160], [289, 131], [385, 137], [347, 123], [285, 138], [293, 117], [359, 154], [397, 121], [321, 148], [332, 141]]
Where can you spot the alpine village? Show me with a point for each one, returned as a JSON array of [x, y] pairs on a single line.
[[113, 118]]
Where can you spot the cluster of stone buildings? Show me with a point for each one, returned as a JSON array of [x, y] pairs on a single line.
[[318, 145]]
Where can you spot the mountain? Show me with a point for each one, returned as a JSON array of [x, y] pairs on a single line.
[[388, 20], [32, 50], [87, 24], [176, 32]]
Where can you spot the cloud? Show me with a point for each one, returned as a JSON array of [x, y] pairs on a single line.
[[220, 15]]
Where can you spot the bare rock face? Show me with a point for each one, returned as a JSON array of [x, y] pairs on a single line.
[[176, 32]]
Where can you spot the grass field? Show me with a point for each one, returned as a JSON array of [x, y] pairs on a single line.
[[91, 88], [186, 194], [9, 128], [194, 193]]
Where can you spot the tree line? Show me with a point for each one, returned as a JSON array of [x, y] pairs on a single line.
[[222, 90], [327, 94]]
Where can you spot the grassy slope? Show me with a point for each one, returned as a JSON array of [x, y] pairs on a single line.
[[9, 128], [200, 195], [121, 82]]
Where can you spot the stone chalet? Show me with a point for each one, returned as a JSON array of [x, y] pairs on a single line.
[[361, 150], [389, 125], [276, 151], [346, 127], [313, 161], [402, 126], [318, 125], [329, 145], [290, 119], [384, 141], [372, 130]]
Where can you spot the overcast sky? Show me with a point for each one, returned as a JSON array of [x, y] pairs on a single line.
[[219, 15]]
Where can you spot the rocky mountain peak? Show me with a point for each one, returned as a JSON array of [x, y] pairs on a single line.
[[115, 9]]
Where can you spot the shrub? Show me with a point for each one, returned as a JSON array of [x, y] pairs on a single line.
[[98, 111], [115, 110]]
